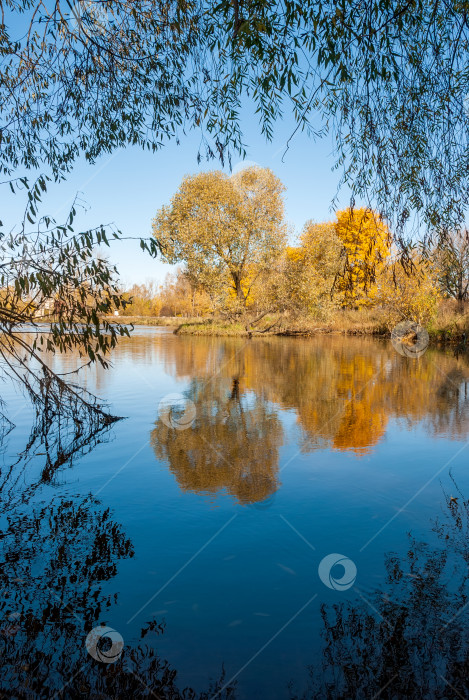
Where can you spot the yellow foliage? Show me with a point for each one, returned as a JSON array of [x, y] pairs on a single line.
[[411, 293], [309, 271], [224, 228], [367, 242], [142, 300]]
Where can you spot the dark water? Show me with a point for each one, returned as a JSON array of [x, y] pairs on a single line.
[[195, 527]]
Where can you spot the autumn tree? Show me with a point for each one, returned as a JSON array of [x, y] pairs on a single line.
[[83, 79], [142, 300], [388, 79], [228, 230], [409, 292], [453, 264], [180, 295], [309, 272], [367, 242]]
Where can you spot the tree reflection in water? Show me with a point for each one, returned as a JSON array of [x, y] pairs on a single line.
[[233, 444], [344, 396], [59, 554], [56, 555], [411, 640]]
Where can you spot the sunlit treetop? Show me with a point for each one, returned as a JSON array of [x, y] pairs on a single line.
[[367, 243], [227, 230]]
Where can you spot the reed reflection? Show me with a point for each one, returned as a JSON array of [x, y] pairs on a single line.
[[58, 555], [56, 560]]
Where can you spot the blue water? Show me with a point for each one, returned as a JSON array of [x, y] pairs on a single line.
[[297, 449]]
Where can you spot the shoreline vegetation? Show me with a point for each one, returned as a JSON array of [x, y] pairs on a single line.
[[244, 273], [450, 325]]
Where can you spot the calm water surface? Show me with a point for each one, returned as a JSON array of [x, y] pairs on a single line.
[[195, 528]]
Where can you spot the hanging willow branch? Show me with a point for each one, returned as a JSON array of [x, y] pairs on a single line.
[[54, 292], [386, 79]]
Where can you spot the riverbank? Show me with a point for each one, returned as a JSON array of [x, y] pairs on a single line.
[[305, 328], [169, 321], [450, 325]]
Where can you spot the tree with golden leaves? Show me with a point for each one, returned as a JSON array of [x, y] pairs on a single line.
[[314, 267], [367, 242], [224, 227], [304, 281], [142, 300], [411, 292]]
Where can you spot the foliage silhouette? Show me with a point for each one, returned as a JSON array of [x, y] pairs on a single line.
[[417, 642], [56, 556]]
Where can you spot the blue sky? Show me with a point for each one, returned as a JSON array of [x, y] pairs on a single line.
[[127, 187]]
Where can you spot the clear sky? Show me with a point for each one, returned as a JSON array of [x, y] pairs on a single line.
[[127, 187]]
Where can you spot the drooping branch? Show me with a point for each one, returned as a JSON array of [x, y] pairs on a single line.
[[54, 292]]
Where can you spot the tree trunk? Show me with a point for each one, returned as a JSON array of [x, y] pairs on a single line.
[[239, 290]]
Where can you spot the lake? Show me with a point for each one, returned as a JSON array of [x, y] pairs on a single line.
[[274, 518]]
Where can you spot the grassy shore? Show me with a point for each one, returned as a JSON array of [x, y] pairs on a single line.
[[286, 327], [450, 325], [210, 326], [170, 321]]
